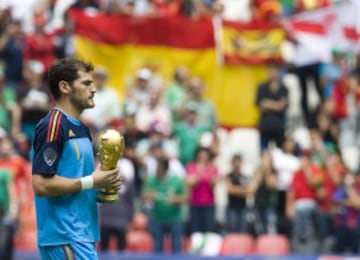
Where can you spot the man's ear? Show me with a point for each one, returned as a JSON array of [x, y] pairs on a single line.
[[64, 87]]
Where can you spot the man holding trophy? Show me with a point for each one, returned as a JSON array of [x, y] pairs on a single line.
[[64, 177]]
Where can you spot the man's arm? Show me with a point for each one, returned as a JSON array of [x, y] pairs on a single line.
[[55, 185]]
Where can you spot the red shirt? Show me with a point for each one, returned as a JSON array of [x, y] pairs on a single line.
[[41, 49], [300, 186]]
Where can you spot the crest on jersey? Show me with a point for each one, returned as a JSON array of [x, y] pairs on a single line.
[[50, 156], [71, 133]]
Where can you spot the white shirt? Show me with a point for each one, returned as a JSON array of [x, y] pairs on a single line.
[[107, 107], [285, 165]]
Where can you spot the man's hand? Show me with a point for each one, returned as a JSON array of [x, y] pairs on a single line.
[[110, 179]]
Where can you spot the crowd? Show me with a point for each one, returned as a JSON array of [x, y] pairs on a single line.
[[169, 164]]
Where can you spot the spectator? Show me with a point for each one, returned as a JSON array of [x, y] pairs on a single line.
[[167, 192], [157, 152], [154, 115], [138, 93], [33, 98], [176, 92], [10, 112], [132, 137], [17, 166], [206, 113], [302, 204], [201, 178], [272, 101], [40, 45], [331, 72], [238, 189], [346, 205], [334, 170], [9, 210], [117, 218], [266, 183], [107, 111], [286, 162], [12, 44], [188, 133]]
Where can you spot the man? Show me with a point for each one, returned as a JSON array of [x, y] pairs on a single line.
[[167, 193], [108, 108], [272, 101], [63, 175]]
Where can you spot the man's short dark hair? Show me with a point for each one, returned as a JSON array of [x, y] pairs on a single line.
[[67, 70]]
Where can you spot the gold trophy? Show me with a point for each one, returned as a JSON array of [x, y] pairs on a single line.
[[111, 145]]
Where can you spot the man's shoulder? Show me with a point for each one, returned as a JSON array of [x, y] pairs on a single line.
[[52, 124]]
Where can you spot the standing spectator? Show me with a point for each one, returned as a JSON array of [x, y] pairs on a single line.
[[302, 204], [154, 115], [265, 182], [116, 218], [10, 112], [238, 189], [188, 133], [17, 166], [33, 97], [40, 45], [9, 210], [138, 92], [12, 44], [167, 192], [206, 114], [107, 111], [334, 171], [132, 136], [272, 101], [286, 162], [176, 92], [347, 215], [201, 178]]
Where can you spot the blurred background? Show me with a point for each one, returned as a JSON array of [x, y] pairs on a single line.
[[241, 120]]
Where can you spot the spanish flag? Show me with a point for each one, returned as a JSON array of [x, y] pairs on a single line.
[[123, 44]]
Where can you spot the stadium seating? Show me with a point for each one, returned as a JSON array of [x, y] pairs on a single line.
[[25, 240], [272, 244], [139, 241], [237, 244], [140, 221]]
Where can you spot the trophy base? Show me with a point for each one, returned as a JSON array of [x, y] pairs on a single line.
[[107, 197]]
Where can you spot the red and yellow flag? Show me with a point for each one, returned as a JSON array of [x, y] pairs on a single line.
[[252, 43], [123, 44]]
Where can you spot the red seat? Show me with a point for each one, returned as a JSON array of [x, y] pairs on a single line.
[[26, 240], [139, 241], [237, 244], [272, 244], [140, 221]]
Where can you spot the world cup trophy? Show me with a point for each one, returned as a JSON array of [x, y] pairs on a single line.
[[111, 145]]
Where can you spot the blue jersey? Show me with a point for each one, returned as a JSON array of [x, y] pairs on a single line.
[[63, 146]]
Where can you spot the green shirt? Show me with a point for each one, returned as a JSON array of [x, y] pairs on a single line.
[[5, 179], [161, 209], [188, 138], [8, 97]]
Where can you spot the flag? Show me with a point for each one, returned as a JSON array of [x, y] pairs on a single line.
[[252, 43], [326, 29], [123, 44]]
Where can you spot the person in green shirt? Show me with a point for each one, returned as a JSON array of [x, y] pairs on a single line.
[[8, 214], [167, 194], [188, 133], [10, 112], [176, 93]]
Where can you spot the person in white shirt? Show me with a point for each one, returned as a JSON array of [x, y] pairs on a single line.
[[108, 105]]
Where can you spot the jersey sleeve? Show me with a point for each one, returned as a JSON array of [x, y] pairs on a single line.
[[48, 145]]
